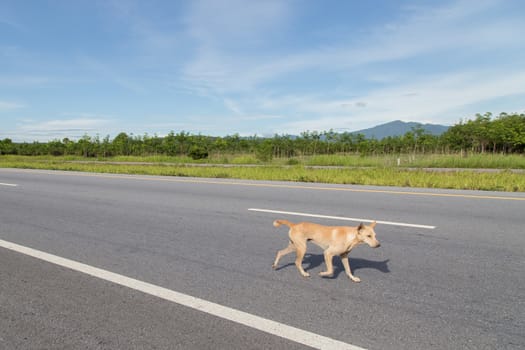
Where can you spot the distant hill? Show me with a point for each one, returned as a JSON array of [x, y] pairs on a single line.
[[399, 128]]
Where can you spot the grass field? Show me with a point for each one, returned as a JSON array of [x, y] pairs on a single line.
[[380, 171], [486, 161]]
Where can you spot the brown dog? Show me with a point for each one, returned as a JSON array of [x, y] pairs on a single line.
[[335, 240]]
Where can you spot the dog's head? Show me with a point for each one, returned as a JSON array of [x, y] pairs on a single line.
[[366, 234]]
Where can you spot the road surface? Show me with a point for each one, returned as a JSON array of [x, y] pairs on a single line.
[[449, 273]]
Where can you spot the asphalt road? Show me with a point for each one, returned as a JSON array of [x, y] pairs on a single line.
[[460, 285]]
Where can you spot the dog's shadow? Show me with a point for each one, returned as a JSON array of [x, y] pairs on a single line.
[[312, 261]]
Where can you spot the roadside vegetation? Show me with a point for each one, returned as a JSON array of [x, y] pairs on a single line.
[[380, 176], [416, 159]]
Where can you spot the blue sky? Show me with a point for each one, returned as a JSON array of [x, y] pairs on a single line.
[[219, 67]]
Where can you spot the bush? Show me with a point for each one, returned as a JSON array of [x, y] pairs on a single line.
[[198, 152]]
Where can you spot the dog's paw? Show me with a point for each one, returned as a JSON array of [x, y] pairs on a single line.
[[306, 274], [355, 279], [326, 274], [274, 266]]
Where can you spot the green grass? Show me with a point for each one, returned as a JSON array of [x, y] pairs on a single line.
[[347, 160], [492, 161], [379, 175], [487, 161]]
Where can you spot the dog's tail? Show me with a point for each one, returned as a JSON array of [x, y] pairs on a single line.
[[278, 223]]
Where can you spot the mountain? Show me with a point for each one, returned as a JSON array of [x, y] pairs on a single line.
[[399, 128]]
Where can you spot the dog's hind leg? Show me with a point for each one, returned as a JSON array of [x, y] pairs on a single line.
[[283, 252], [328, 257], [346, 264], [301, 251]]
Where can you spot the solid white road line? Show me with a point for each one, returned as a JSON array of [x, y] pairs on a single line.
[[4, 184], [342, 218], [243, 318]]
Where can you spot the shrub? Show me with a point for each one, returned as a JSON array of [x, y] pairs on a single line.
[[198, 152]]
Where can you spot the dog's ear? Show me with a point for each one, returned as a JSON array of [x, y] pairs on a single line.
[[360, 227], [373, 224]]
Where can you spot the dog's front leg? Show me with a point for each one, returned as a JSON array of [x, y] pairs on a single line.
[[346, 264]]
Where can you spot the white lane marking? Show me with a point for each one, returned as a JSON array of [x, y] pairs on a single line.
[[241, 317], [342, 218], [4, 184]]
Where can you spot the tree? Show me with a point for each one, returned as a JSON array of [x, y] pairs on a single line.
[[121, 144], [264, 151], [481, 130], [182, 140], [7, 147], [85, 146], [458, 137], [56, 148], [106, 147]]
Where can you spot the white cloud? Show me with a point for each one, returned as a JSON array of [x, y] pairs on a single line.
[[424, 31], [66, 124], [433, 61], [107, 71], [31, 130], [437, 99], [7, 105], [150, 36], [232, 106], [225, 23], [436, 92], [439, 95], [231, 38], [23, 81]]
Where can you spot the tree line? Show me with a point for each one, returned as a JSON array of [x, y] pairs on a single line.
[[485, 133]]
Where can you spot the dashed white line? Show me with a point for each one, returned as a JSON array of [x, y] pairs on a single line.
[[342, 218], [11, 185], [272, 327]]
